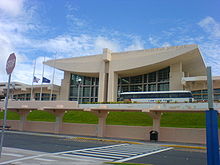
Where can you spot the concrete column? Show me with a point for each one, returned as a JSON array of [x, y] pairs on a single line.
[[59, 120], [65, 87], [102, 95], [103, 75], [112, 86], [176, 75], [156, 120], [23, 118], [102, 123]]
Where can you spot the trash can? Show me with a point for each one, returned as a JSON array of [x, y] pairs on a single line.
[[153, 135]]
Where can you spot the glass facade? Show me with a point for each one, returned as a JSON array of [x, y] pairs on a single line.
[[27, 96], [202, 95], [155, 81], [85, 90]]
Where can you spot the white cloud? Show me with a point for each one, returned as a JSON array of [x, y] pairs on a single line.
[[11, 7], [66, 43], [211, 26], [103, 42], [154, 41], [166, 44], [136, 44]]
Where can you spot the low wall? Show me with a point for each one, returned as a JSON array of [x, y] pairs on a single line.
[[40, 104], [167, 134], [185, 135], [128, 132]]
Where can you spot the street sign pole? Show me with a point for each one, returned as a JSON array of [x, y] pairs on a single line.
[[5, 114], [9, 69], [212, 142]]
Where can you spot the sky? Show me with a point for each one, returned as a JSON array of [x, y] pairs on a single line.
[[38, 29]]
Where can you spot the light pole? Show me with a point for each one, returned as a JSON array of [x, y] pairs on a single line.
[[79, 80], [212, 140]]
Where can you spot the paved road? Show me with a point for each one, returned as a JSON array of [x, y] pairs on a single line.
[[56, 150]]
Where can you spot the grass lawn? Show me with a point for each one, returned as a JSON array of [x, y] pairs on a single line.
[[171, 119], [10, 115]]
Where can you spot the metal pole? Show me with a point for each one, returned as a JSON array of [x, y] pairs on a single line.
[[5, 115], [51, 90], [78, 92], [212, 142], [210, 88], [33, 80], [41, 89]]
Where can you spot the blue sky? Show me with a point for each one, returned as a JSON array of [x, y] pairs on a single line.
[[37, 28]]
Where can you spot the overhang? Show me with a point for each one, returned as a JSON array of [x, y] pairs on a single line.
[[137, 62]]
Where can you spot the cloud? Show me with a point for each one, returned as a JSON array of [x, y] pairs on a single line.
[[211, 26], [66, 43], [17, 22], [103, 42], [208, 39], [11, 7], [136, 44]]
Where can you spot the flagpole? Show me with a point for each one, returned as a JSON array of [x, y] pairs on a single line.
[[33, 81], [41, 89], [51, 92]]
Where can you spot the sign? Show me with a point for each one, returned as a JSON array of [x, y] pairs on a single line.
[[10, 65]]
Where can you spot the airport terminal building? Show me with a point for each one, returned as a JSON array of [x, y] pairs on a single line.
[[104, 76], [21, 91]]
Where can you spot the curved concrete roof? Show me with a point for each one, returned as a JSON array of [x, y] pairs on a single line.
[[137, 62]]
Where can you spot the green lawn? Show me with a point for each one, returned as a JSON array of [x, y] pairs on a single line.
[[182, 120]]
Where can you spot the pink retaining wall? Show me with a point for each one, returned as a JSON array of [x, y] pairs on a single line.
[[185, 135], [168, 134], [79, 129], [128, 132], [37, 126]]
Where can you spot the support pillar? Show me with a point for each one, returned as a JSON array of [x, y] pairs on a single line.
[[101, 123], [112, 86], [176, 75], [65, 85], [59, 120], [156, 120], [23, 118]]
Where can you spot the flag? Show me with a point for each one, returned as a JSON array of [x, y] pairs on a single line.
[[35, 79], [45, 80]]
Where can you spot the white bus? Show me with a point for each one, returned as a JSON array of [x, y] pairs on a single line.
[[157, 96]]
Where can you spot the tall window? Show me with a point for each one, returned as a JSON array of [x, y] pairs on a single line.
[[84, 91], [155, 81], [45, 96]]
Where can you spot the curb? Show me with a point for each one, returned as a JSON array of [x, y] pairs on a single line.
[[181, 146], [106, 140]]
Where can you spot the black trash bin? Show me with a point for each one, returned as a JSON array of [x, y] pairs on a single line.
[[153, 135]]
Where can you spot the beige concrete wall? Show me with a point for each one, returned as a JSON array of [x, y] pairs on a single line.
[[199, 85], [186, 58], [65, 86], [167, 134], [176, 75], [112, 86]]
